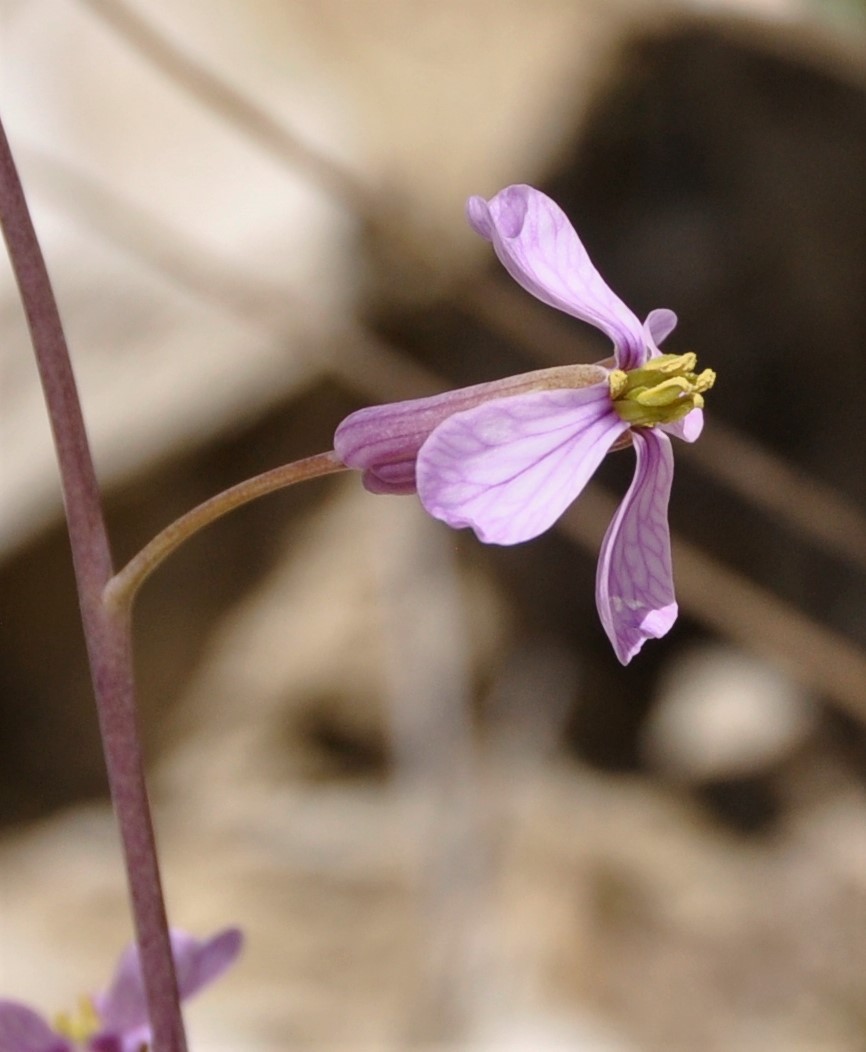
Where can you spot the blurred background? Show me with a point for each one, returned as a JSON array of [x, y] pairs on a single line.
[[409, 766]]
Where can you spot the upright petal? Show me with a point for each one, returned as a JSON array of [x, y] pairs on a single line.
[[509, 468], [23, 1030], [659, 324], [122, 1008], [539, 248], [201, 961], [634, 584]]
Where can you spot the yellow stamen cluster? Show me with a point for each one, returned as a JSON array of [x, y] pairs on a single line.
[[79, 1025], [662, 391]]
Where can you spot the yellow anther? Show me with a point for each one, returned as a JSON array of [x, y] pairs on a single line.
[[79, 1025], [671, 364], [662, 391], [665, 393], [618, 381], [705, 380]]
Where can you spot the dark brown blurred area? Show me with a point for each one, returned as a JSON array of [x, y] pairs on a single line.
[[409, 765]]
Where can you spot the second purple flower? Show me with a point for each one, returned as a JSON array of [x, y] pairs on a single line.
[[507, 458], [116, 1019]]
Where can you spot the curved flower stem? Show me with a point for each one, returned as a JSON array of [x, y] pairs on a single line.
[[107, 631], [121, 589]]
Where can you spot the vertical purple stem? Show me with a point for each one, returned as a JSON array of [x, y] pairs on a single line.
[[107, 631]]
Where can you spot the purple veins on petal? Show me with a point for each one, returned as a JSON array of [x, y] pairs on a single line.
[[383, 440], [634, 583], [509, 468], [540, 249]]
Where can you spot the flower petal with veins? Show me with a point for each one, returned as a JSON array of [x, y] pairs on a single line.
[[383, 441], [509, 468], [634, 583], [541, 250]]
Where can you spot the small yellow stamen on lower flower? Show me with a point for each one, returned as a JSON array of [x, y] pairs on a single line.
[[662, 391], [78, 1025]]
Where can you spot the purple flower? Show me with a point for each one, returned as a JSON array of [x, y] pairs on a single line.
[[508, 457], [116, 1020]]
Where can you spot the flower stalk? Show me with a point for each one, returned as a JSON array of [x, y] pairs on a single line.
[[106, 629], [123, 586]]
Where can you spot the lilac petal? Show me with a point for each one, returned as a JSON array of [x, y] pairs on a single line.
[[634, 587], [201, 962], [478, 214], [539, 248], [23, 1030], [122, 1008], [383, 440], [509, 468], [659, 324], [689, 428]]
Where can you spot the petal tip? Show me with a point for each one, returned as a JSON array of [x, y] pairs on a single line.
[[655, 625], [478, 214], [510, 207], [659, 324]]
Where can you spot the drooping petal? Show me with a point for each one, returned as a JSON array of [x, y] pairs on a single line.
[[659, 324], [509, 468], [23, 1030], [539, 248], [122, 1008], [634, 584], [689, 428]]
